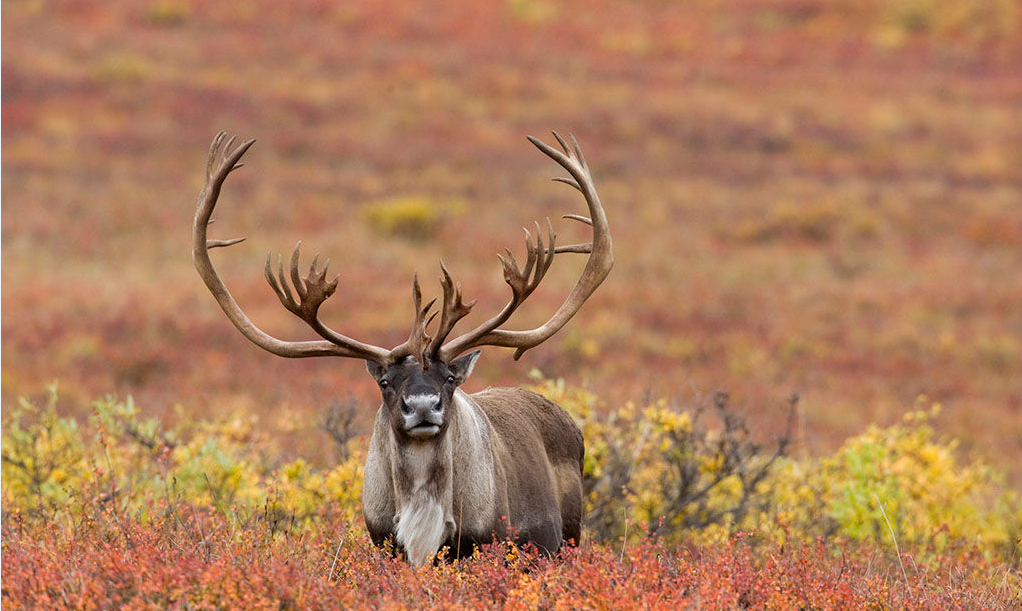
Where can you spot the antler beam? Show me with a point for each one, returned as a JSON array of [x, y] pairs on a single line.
[[523, 281], [312, 292]]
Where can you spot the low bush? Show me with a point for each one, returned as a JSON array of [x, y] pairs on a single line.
[[663, 470], [194, 558], [121, 511], [49, 466], [410, 217]]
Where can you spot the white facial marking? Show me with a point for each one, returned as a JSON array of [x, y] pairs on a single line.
[[422, 402], [425, 418]]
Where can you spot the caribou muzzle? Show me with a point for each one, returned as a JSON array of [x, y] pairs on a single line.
[[423, 414]]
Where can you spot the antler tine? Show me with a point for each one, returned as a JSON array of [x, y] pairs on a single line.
[[312, 267], [512, 260], [223, 159], [540, 255], [551, 249], [296, 278], [577, 248], [222, 243], [530, 253], [597, 267], [418, 339], [281, 288], [578, 153], [214, 148], [568, 181], [582, 249], [453, 310], [564, 145], [578, 217], [322, 272]]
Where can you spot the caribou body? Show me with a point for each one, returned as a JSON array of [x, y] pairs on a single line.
[[446, 468]]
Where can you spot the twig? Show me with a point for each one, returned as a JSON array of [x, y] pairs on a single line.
[[893, 538], [461, 517], [624, 538], [330, 576]]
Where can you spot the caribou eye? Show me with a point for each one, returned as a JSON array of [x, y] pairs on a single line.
[[384, 383], [451, 380]]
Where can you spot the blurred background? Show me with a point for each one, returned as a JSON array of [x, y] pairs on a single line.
[[822, 196]]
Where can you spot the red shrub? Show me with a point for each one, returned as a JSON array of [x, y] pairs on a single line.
[[190, 559]]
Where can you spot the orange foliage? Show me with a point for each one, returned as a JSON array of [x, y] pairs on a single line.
[[194, 559], [809, 195]]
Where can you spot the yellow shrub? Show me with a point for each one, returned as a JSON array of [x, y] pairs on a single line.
[[42, 463], [413, 217], [929, 498], [649, 469], [972, 20], [657, 468], [168, 12], [131, 461], [303, 491]]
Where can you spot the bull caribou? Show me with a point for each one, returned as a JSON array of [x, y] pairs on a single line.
[[445, 468]]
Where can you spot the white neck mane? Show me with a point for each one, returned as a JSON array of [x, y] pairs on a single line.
[[423, 521]]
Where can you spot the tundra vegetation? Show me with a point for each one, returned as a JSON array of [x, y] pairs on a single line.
[[818, 196], [119, 509]]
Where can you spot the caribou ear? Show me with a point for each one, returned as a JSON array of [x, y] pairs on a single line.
[[376, 370], [461, 367]]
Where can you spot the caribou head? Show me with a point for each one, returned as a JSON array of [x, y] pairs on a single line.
[[445, 467], [417, 395]]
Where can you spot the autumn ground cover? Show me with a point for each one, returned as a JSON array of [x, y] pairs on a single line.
[[171, 566], [807, 196], [120, 511]]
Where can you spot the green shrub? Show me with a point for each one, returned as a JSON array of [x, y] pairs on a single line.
[[929, 497]]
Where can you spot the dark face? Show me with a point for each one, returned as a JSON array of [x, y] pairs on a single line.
[[417, 401]]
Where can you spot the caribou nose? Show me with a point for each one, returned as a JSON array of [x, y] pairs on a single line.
[[420, 403]]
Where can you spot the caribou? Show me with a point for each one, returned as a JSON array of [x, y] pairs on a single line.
[[445, 469]]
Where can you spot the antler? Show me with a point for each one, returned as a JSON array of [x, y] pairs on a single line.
[[418, 339], [523, 281], [454, 309], [312, 291]]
